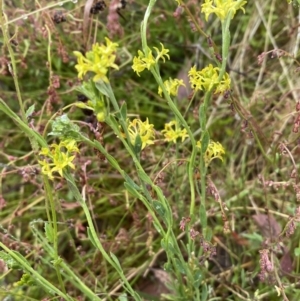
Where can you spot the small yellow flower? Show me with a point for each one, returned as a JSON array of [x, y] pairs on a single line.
[[45, 151], [224, 84], [162, 53], [58, 157], [222, 8], [213, 151], [70, 145], [142, 61], [172, 132], [97, 61], [172, 86], [82, 64], [60, 161], [208, 79], [46, 168], [143, 129], [109, 49]]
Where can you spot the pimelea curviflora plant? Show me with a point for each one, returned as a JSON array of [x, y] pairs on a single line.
[[189, 245], [93, 69]]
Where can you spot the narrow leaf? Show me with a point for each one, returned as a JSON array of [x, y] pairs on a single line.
[[202, 116], [10, 262], [91, 238], [30, 111], [204, 293], [131, 189], [179, 266], [49, 232], [137, 144], [204, 142], [144, 177], [159, 208], [116, 260], [197, 279], [103, 88], [203, 216], [123, 110]]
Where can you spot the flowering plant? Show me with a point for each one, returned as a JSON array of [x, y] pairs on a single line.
[[172, 132], [58, 157], [143, 130], [97, 61], [208, 79], [222, 8]]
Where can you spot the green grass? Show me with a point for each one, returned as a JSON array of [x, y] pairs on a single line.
[[87, 236]]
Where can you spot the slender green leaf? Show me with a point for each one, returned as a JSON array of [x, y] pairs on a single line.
[[204, 142], [180, 266], [91, 238], [10, 262], [130, 182], [204, 292], [209, 234], [144, 177], [202, 116], [197, 279], [49, 232], [159, 208], [30, 111], [203, 216], [123, 111], [103, 88], [137, 144], [116, 260], [131, 189]]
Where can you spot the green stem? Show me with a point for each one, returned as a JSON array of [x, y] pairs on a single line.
[[53, 224], [225, 45], [174, 109], [87, 292], [73, 277], [191, 162], [35, 275], [144, 26], [203, 168], [94, 237], [35, 138], [145, 179], [115, 164]]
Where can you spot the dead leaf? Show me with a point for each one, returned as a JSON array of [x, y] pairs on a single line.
[[86, 20], [184, 91], [286, 262], [155, 286], [267, 225]]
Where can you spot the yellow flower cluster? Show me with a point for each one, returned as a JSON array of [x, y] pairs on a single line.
[[58, 157], [146, 61], [142, 129], [98, 61], [172, 86], [213, 151], [208, 79], [173, 131], [222, 8]]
